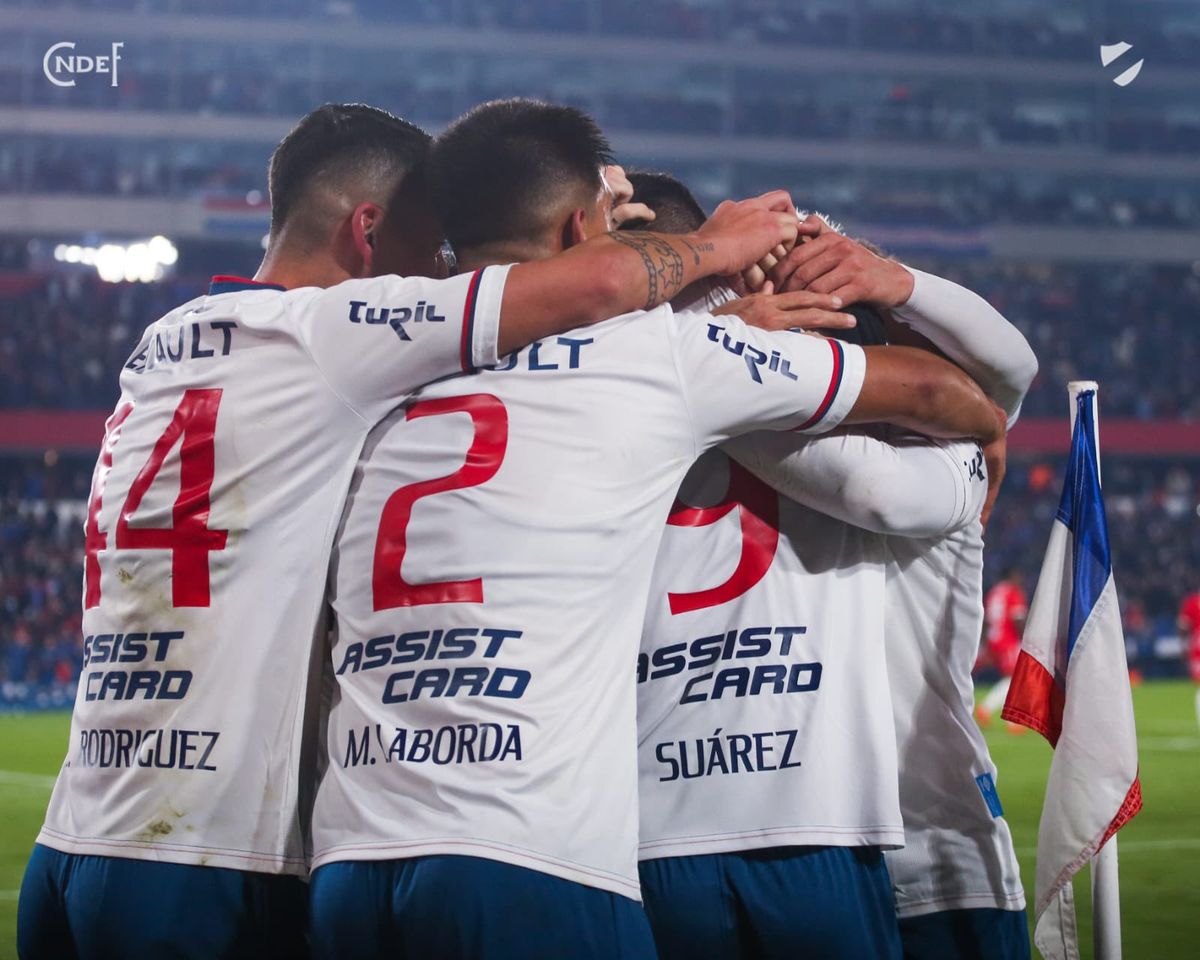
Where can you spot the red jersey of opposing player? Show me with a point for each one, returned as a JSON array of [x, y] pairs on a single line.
[[1005, 608], [1189, 626]]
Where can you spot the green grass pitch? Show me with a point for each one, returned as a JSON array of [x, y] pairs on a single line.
[[1159, 851]]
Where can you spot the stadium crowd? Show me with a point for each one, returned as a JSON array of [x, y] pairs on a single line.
[[1005, 28], [232, 170], [41, 504], [1154, 524], [900, 110], [41, 573], [49, 359]]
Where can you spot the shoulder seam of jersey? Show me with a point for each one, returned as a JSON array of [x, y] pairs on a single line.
[[324, 379]]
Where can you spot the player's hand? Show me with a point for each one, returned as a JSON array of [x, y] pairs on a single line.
[[743, 232], [622, 196], [831, 263], [755, 278], [995, 458], [801, 309]]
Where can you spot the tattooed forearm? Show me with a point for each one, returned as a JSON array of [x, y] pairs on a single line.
[[664, 265], [696, 248]]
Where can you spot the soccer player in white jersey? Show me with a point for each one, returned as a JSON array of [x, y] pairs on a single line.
[[767, 756], [480, 796], [956, 880], [177, 825]]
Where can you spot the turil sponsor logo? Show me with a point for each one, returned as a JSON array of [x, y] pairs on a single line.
[[394, 317], [756, 360]]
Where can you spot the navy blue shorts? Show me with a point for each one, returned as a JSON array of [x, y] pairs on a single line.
[[77, 907], [468, 908], [792, 903], [966, 935]]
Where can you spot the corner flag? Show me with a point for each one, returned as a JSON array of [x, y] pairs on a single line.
[[1072, 685]]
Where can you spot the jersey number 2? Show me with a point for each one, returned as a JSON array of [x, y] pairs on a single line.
[[483, 459], [189, 538]]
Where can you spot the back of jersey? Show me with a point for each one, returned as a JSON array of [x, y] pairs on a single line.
[[958, 850], [490, 580], [212, 513], [763, 710]]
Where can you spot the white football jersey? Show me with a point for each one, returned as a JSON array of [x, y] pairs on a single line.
[[763, 710], [958, 851], [927, 495], [490, 580], [211, 519]]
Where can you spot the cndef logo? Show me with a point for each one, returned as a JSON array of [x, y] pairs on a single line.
[[61, 66]]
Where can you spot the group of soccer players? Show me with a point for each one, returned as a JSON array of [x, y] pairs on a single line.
[[569, 606]]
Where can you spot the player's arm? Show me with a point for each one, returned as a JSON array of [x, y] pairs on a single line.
[[960, 323], [913, 389], [903, 486], [376, 340], [972, 333], [620, 272], [737, 379]]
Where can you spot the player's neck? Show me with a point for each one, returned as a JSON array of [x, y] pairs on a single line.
[[290, 273], [504, 251], [290, 266]]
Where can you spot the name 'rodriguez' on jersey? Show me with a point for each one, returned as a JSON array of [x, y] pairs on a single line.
[[490, 578], [212, 512]]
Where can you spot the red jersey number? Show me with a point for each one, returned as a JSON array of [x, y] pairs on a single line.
[[189, 538], [483, 459], [758, 514]]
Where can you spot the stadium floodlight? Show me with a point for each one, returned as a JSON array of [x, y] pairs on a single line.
[[143, 261]]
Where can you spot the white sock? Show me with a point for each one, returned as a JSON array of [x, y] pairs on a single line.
[[1198, 705], [994, 701]]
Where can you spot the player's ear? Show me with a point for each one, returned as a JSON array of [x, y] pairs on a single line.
[[575, 229], [364, 231]]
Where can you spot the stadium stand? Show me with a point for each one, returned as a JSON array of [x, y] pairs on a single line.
[[70, 334], [972, 140], [1154, 524]]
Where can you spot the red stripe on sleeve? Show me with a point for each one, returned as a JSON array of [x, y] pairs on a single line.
[[834, 380]]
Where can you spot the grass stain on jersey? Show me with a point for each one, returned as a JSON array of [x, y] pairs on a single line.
[[164, 826], [156, 831]]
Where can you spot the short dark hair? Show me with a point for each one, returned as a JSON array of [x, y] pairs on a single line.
[[342, 142], [869, 331], [497, 171], [675, 209]]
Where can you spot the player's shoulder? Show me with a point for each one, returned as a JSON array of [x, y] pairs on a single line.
[[637, 325]]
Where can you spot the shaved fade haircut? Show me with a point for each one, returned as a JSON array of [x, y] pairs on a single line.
[[337, 147], [675, 208], [504, 170]]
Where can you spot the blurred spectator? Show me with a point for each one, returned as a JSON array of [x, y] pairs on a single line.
[[41, 554], [65, 339], [1153, 524], [1126, 327], [1154, 530], [67, 336], [915, 197]]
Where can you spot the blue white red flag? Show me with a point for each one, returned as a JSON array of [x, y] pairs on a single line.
[[1072, 685]]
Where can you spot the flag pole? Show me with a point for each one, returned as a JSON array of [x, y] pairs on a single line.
[[1106, 890]]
